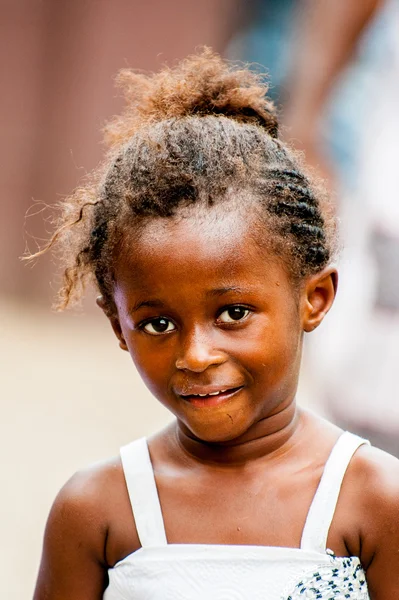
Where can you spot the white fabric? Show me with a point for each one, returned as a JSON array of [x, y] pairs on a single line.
[[143, 493], [161, 571], [321, 512]]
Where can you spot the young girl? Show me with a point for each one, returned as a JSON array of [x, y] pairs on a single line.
[[211, 251]]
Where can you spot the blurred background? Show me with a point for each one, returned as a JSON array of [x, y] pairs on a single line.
[[69, 396]]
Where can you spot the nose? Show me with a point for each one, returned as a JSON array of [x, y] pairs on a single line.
[[198, 353]]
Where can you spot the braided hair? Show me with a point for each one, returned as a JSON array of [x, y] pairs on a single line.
[[192, 134]]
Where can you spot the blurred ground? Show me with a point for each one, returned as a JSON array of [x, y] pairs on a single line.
[[69, 397]]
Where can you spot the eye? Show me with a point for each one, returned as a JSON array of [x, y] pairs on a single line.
[[233, 314], [158, 326]]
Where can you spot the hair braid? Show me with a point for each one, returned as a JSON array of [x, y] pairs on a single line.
[[294, 201]]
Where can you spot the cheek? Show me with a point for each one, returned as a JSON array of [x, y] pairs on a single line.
[[152, 359], [272, 349]]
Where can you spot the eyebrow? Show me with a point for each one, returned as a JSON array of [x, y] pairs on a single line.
[[210, 293], [226, 290], [144, 303]]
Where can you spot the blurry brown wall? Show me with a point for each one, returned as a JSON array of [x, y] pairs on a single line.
[[58, 59]]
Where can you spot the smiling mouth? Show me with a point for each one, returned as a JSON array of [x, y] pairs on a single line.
[[211, 399]]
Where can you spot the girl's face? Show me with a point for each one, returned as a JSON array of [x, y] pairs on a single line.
[[211, 321]]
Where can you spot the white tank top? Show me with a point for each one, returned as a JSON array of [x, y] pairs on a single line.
[[162, 571]]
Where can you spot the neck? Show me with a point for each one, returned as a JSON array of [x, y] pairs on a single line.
[[273, 434]]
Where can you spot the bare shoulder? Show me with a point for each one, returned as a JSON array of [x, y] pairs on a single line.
[[376, 473], [74, 560], [372, 481], [87, 494]]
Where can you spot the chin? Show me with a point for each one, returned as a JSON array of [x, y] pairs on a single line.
[[220, 431]]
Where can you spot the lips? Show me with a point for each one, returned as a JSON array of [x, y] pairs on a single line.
[[202, 397]]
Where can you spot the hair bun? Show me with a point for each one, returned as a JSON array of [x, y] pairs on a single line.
[[202, 84]]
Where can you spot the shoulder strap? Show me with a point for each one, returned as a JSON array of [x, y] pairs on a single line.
[[143, 494], [321, 512]]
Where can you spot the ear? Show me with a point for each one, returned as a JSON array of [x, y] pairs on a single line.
[[320, 291], [114, 320]]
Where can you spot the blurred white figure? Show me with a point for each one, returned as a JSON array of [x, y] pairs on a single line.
[[360, 375]]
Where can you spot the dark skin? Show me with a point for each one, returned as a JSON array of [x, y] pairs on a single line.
[[202, 306]]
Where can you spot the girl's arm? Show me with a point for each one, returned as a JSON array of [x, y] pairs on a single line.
[[327, 34], [73, 565], [379, 489], [326, 38]]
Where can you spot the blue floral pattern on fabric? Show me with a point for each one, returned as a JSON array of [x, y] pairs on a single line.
[[344, 580]]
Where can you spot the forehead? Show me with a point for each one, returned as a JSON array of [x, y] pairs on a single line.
[[199, 248]]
